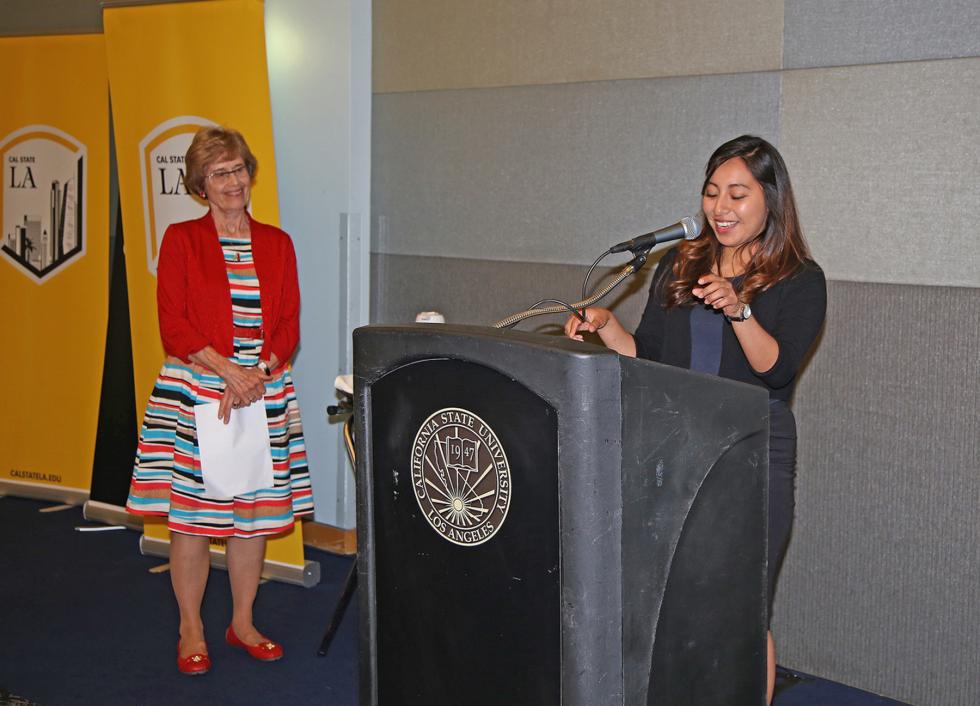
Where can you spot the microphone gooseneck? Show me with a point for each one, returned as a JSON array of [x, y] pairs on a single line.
[[688, 228]]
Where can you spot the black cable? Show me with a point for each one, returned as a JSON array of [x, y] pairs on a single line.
[[560, 303], [585, 283], [639, 259], [549, 301]]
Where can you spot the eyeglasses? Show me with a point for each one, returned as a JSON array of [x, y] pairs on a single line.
[[223, 176]]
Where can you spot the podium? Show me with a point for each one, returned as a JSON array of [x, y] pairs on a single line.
[[542, 521]]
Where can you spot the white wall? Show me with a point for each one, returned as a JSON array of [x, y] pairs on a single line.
[[319, 56]]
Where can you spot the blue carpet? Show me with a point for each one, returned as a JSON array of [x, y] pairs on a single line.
[[799, 689], [84, 622]]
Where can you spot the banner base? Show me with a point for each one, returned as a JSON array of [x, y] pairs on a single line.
[[43, 491], [306, 576], [95, 511]]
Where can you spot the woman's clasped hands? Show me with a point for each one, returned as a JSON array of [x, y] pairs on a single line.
[[243, 386]]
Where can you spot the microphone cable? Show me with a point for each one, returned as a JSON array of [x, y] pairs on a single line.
[[576, 308], [585, 282]]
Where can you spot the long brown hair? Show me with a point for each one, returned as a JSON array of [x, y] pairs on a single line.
[[781, 250]]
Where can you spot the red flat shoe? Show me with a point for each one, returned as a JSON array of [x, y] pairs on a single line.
[[193, 665], [267, 651]]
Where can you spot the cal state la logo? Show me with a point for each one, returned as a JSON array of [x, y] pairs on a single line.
[[165, 196], [42, 203], [460, 476]]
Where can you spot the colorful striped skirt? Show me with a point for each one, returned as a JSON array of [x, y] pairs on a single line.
[[167, 477]]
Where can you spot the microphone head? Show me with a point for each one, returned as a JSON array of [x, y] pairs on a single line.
[[693, 225]]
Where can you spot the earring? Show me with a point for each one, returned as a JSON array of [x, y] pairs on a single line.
[[204, 196]]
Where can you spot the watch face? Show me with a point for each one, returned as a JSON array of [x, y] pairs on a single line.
[[746, 312]]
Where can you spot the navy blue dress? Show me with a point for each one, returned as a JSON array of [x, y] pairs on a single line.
[[699, 338]]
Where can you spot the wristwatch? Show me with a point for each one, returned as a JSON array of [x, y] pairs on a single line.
[[263, 366], [744, 314]]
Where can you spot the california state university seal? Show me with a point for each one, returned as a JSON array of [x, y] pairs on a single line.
[[460, 476]]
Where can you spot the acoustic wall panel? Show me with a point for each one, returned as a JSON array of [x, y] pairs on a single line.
[[879, 588], [480, 292], [552, 173], [842, 32], [442, 44], [884, 160]]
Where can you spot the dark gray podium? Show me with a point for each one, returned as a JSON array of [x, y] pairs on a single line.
[[542, 522]]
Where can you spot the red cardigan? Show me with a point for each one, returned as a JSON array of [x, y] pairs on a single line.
[[194, 297]]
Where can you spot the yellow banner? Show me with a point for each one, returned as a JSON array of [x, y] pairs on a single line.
[[54, 268], [173, 68]]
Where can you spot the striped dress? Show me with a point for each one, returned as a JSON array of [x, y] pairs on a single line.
[[167, 474]]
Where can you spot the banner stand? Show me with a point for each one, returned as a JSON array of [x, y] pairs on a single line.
[[306, 576], [43, 491], [116, 432], [153, 130], [54, 228], [96, 511]]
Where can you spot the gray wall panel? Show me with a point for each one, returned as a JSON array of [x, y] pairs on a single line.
[[842, 32], [480, 292], [880, 584], [447, 44], [483, 194], [887, 191], [552, 173]]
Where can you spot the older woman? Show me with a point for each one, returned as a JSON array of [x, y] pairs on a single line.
[[745, 301], [228, 305]]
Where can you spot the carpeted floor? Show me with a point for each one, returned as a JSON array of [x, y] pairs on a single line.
[[83, 621]]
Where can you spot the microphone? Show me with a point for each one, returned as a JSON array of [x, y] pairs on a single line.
[[687, 228]]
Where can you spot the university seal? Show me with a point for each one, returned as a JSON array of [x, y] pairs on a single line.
[[460, 476]]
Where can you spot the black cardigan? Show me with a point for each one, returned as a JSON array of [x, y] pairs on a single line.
[[791, 311]]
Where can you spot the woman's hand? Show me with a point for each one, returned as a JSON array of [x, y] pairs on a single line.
[[595, 319], [229, 401], [760, 348], [718, 293], [604, 323], [247, 384], [243, 387]]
